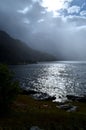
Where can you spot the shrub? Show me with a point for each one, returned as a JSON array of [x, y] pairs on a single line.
[[8, 88]]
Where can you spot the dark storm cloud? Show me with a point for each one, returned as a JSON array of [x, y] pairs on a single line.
[[29, 21], [14, 22], [10, 20]]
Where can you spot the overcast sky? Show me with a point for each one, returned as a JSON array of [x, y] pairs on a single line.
[[56, 26]]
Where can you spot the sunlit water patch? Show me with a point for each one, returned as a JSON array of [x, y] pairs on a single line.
[[55, 78]]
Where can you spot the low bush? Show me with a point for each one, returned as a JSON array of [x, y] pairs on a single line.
[[8, 88]]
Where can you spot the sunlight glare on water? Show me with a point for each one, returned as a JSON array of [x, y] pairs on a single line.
[[50, 80], [57, 79]]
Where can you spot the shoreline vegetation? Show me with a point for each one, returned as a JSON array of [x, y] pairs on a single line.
[[25, 112]]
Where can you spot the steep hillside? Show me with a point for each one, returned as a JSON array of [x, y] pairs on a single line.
[[13, 51]]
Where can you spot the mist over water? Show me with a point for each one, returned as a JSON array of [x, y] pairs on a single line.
[[55, 78]]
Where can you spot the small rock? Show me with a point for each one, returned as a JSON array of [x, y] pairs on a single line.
[[67, 107], [45, 106], [44, 96], [28, 92], [72, 109], [35, 128], [77, 98]]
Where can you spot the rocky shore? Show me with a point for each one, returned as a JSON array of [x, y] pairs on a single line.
[[76, 98], [67, 105], [38, 95]]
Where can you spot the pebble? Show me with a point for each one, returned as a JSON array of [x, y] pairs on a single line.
[[67, 107], [35, 128]]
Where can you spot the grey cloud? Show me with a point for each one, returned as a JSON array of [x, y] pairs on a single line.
[[35, 14], [73, 9], [83, 13], [14, 22], [77, 20], [58, 35], [62, 36]]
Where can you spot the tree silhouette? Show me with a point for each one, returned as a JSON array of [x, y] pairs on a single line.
[[8, 88]]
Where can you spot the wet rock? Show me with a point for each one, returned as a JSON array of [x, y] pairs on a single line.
[[50, 98], [72, 109], [28, 92], [76, 98], [67, 107], [38, 95], [44, 96], [35, 128]]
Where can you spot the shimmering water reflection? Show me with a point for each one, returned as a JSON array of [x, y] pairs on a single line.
[[57, 79]]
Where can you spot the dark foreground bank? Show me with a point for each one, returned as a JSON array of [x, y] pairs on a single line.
[[27, 112]]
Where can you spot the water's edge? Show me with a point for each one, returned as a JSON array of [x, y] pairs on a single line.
[[54, 78]]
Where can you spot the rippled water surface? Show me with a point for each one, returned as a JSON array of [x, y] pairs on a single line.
[[55, 78]]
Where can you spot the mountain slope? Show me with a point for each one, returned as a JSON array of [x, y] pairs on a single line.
[[13, 51]]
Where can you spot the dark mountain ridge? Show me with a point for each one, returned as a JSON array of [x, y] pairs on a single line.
[[13, 51]]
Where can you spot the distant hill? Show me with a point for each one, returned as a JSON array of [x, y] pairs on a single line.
[[14, 51]]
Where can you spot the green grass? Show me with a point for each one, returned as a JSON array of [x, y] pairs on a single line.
[[27, 112]]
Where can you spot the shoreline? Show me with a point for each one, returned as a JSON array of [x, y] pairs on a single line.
[[44, 96]]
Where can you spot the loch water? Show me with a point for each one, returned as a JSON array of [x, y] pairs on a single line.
[[54, 78]]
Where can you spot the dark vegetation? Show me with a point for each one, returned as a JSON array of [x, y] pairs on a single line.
[[8, 89], [27, 112], [13, 51]]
